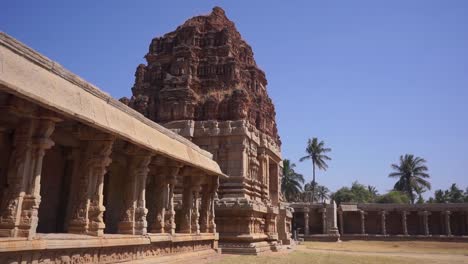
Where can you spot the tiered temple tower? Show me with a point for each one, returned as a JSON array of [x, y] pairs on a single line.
[[202, 81]]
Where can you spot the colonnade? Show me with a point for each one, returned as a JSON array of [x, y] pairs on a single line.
[[423, 222], [28, 133]]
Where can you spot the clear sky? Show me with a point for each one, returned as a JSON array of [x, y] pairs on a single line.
[[373, 79]]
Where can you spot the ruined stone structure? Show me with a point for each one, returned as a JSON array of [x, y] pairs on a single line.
[[426, 221], [316, 221], [86, 179], [381, 221], [202, 82]]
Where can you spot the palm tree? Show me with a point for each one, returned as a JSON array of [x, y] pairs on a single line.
[[372, 190], [291, 182], [412, 174], [322, 193], [316, 152]]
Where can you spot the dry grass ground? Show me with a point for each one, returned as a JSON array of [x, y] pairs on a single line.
[[362, 252]]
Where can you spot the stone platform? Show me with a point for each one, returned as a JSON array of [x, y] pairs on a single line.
[[70, 248]]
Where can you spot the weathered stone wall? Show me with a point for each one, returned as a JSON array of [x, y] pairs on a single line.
[[202, 82], [75, 159]]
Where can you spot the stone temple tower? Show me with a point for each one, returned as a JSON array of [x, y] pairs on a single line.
[[202, 81]]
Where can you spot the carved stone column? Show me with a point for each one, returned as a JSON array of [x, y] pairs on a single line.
[[306, 221], [383, 222], [133, 218], [12, 200], [363, 222], [425, 215], [340, 215], [324, 221], [20, 201], [171, 225], [214, 197], [404, 222], [161, 199], [196, 188], [187, 206], [448, 230], [205, 210], [88, 208]]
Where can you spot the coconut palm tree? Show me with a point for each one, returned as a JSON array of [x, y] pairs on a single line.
[[316, 151], [291, 182], [323, 193], [373, 191], [412, 174]]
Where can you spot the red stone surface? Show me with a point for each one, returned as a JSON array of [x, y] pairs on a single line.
[[203, 70]]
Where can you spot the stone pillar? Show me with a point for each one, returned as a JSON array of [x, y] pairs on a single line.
[[196, 188], [306, 221], [466, 223], [171, 225], [88, 209], [340, 215], [161, 195], [363, 222], [425, 215], [214, 197], [448, 230], [133, 219], [324, 220], [187, 205], [20, 201], [404, 223], [383, 221], [207, 200]]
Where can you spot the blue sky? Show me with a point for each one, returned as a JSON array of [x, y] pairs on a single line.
[[373, 79]]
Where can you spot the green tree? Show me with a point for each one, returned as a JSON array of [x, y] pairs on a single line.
[[358, 193], [440, 196], [455, 194], [412, 174], [452, 195], [372, 190], [316, 151], [322, 193], [291, 182], [393, 197], [466, 195]]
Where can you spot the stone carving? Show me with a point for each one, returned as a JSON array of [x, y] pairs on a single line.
[[202, 82], [87, 214], [204, 70], [133, 219]]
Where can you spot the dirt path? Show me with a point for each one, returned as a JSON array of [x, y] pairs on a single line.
[[448, 258]]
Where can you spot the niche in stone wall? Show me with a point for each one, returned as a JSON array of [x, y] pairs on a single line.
[[274, 182]]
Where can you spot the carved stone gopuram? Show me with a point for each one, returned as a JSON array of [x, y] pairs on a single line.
[[202, 82]]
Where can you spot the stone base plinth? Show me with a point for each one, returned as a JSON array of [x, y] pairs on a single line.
[[321, 237], [372, 237], [71, 248], [256, 248]]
